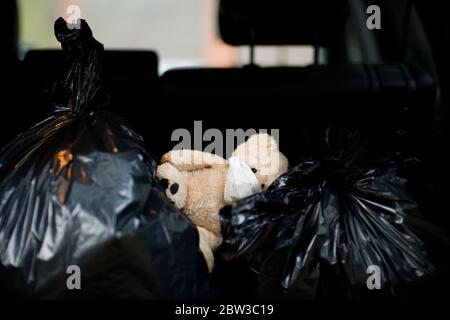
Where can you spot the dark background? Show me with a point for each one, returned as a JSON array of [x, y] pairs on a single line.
[[397, 90]]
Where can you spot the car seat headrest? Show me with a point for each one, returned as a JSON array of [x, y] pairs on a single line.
[[281, 22]]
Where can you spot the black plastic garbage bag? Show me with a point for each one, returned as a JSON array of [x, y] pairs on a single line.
[[343, 224], [79, 189]]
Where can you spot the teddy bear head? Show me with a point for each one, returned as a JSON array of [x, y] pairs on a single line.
[[260, 152], [174, 182]]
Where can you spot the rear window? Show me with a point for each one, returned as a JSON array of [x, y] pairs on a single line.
[[182, 32]]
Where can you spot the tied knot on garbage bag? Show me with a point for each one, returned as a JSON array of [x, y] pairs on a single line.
[[318, 229], [82, 87], [333, 172]]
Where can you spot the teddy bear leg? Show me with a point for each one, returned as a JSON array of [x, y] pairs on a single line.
[[205, 247], [214, 240]]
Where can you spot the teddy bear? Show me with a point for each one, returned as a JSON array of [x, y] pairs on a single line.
[[196, 182]]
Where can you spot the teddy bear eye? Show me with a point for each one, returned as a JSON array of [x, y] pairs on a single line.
[[174, 188], [254, 170]]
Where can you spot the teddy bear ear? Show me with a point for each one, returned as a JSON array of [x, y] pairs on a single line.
[[267, 140], [272, 143]]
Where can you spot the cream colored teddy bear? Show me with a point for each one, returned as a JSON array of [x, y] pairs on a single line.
[[195, 182]]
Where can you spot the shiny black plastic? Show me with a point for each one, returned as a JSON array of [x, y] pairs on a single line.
[[321, 229], [79, 189]]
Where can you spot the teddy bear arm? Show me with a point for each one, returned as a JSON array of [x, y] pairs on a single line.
[[190, 160]]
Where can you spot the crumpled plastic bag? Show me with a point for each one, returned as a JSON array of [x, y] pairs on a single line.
[[241, 182], [320, 230], [79, 189]]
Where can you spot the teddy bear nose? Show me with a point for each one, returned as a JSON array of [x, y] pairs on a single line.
[[165, 183], [174, 188]]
